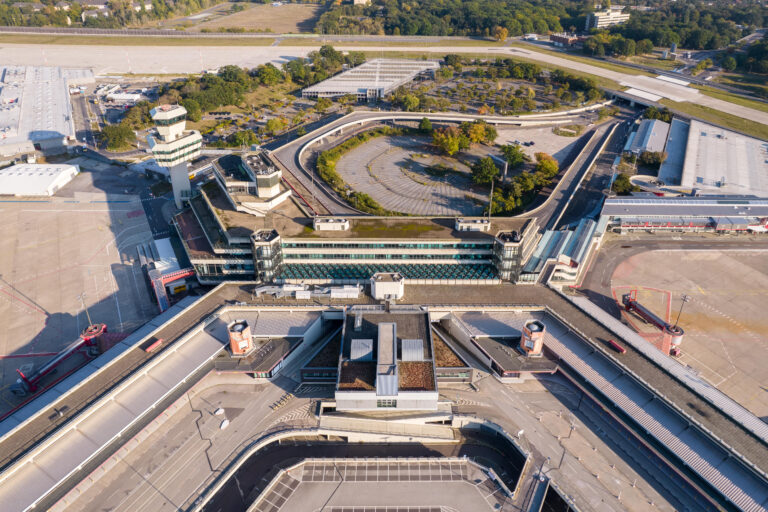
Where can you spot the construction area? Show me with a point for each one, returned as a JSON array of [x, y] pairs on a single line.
[[59, 256], [726, 332]]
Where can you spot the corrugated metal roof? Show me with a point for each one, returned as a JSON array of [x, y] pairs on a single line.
[[689, 207], [651, 136], [692, 446], [412, 350]]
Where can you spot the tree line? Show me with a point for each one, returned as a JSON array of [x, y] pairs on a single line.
[[122, 13]]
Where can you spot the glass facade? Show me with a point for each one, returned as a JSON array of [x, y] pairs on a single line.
[[361, 272], [388, 245]]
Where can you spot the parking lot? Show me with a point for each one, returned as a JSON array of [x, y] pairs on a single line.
[[52, 250], [726, 330], [395, 172]]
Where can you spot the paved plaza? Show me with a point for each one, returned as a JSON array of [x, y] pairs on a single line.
[[726, 332], [54, 249], [394, 172]]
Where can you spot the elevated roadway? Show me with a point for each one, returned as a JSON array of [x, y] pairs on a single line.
[[292, 155]]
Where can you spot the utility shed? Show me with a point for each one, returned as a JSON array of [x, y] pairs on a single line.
[[35, 179]]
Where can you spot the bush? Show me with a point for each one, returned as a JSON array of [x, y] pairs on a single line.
[[118, 136], [652, 159]]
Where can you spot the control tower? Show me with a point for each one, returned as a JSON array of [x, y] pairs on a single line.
[[173, 147]]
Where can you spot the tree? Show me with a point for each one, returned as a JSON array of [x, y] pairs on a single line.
[[323, 104], [622, 185], [243, 138], [268, 74], [275, 125], [410, 102], [449, 140], [454, 61], [652, 159], [514, 155], [484, 171], [500, 33], [729, 63], [546, 165], [425, 125], [194, 112], [644, 46]]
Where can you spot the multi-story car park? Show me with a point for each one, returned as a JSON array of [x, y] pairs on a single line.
[[224, 240]]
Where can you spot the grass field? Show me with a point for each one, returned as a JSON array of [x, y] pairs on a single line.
[[730, 121], [756, 84], [655, 62], [283, 19], [584, 60], [733, 98], [479, 43], [133, 40]]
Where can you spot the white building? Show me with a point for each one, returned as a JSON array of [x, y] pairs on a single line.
[[35, 179], [372, 80], [606, 18], [173, 147], [35, 109]]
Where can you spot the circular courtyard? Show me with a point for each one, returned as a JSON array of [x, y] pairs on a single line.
[[406, 175]]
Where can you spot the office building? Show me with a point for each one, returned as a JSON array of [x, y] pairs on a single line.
[[606, 18]]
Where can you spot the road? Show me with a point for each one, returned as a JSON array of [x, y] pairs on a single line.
[[588, 199], [171, 59], [291, 155], [550, 212]]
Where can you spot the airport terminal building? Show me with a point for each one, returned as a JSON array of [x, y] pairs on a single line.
[[227, 238]]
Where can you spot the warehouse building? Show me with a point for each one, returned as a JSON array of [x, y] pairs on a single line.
[[35, 179], [35, 109], [719, 162], [372, 80], [651, 136]]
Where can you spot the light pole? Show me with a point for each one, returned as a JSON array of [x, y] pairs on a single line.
[[82, 301], [683, 299]]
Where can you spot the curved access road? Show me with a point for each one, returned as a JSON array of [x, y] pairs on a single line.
[[290, 155]]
